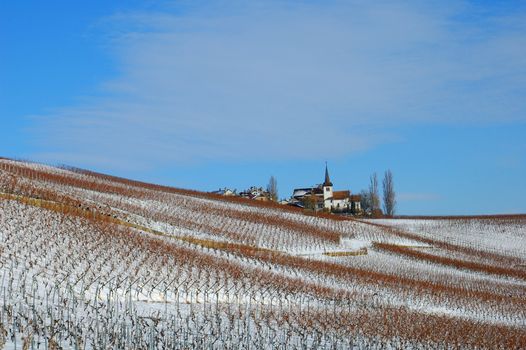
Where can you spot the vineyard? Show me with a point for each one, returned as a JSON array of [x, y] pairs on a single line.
[[91, 261]]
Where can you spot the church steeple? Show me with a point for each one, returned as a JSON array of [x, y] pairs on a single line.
[[327, 178]]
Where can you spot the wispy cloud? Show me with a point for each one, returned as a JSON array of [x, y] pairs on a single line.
[[418, 197], [282, 80]]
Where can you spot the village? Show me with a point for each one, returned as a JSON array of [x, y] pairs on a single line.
[[320, 197]]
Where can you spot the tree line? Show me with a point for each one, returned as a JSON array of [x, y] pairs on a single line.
[[370, 199]]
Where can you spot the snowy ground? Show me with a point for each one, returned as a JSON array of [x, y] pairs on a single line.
[[91, 262]]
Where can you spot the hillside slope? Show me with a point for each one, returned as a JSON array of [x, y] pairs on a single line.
[[90, 261]]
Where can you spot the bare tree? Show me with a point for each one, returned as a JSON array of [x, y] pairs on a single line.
[[310, 202], [365, 202], [374, 196], [389, 194], [272, 188]]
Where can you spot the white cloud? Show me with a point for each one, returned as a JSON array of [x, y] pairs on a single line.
[[418, 197], [282, 80]]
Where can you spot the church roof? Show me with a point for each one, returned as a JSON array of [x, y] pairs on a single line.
[[341, 194], [327, 178]]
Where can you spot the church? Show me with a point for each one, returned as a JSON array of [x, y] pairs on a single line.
[[323, 197]]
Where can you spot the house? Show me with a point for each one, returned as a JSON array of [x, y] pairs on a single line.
[[356, 203], [323, 196], [256, 193], [341, 200], [225, 192]]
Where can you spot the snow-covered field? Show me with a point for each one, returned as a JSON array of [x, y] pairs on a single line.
[[89, 261]]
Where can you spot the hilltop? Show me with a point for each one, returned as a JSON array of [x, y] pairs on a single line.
[[91, 261]]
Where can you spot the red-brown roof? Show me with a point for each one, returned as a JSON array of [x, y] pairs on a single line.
[[341, 194], [356, 198]]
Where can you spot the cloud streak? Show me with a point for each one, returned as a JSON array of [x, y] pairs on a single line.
[[277, 80], [418, 197]]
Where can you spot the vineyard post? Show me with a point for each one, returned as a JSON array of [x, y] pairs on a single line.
[[3, 304], [267, 289], [216, 292], [228, 297], [249, 309], [166, 302]]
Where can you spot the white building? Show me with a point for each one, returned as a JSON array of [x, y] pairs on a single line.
[[325, 197], [225, 192]]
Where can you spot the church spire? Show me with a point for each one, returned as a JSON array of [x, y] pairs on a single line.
[[327, 179]]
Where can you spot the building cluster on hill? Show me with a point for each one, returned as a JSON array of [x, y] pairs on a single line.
[[321, 197], [255, 193]]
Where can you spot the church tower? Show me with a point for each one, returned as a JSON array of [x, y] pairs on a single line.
[[327, 189]]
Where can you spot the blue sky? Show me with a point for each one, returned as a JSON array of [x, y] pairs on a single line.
[[203, 95]]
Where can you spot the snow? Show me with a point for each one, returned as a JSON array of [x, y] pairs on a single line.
[[159, 273]]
